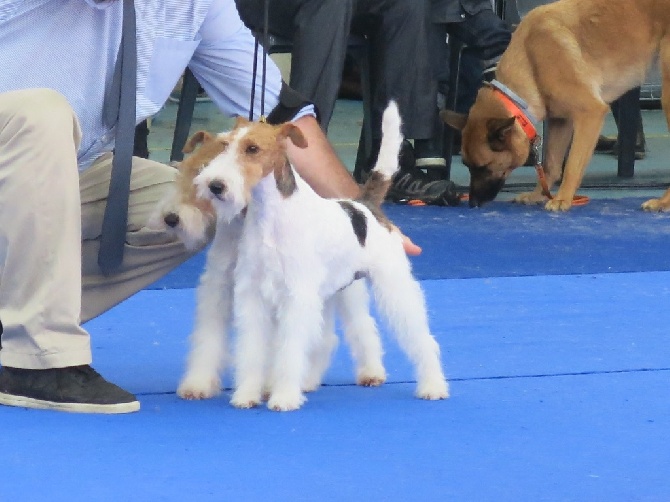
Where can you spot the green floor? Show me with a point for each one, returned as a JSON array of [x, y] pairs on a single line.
[[652, 174]]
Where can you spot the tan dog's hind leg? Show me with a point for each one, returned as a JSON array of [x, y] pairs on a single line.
[[588, 123], [558, 139], [663, 204]]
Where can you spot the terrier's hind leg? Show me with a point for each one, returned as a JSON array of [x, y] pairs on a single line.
[[360, 331], [321, 352], [400, 298]]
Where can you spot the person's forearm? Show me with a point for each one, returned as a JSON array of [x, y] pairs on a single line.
[[319, 165]]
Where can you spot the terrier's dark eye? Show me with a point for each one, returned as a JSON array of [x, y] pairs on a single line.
[[252, 149]]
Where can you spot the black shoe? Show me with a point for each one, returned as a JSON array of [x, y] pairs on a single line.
[[77, 388], [605, 144], [609, 144], [416, 185]]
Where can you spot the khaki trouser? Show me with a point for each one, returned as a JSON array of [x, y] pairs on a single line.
[[50, 221]]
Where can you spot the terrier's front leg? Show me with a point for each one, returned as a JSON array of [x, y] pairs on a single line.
[[209, 339], [321, 353], [254, 328], [299, 327]]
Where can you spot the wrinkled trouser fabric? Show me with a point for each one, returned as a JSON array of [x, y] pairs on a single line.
[[50, 221]]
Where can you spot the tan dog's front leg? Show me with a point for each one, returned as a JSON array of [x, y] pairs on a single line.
[[587, 127], [559, 134], [658, 205], [663, 204]]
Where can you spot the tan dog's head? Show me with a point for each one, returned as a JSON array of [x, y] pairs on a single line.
[[181, 211], [493, 144], [251, 151]]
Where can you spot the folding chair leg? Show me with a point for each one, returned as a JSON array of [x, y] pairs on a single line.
[[189, 92], [628, 125]]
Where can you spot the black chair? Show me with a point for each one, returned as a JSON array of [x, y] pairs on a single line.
[[358, 48], [189, 93]]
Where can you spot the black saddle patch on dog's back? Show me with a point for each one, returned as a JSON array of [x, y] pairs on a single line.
[[358, 220]]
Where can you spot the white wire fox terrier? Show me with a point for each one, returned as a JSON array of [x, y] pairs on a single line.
[[192, 219], [297, 250]]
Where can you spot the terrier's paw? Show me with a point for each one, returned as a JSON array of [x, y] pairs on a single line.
[[286, 401], [655, 205], [246, 399], [311, 384], [529, 198], [433, 389], [199, 387], [371, 377], [558, 205]]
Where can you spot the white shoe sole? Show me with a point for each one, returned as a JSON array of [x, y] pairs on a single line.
[[38, 404]]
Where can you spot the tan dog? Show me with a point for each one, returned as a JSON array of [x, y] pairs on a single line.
[[565, 63]]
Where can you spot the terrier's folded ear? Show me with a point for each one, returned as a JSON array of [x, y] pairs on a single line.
[[240, 121], [292, 132], [195, 140]]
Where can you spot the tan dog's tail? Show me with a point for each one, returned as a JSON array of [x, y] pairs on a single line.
[[377, 185]]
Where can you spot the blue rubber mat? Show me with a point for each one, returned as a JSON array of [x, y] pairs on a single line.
[[503, 239], [559, 392]]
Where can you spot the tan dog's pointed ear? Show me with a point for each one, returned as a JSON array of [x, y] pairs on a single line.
[[499, 131], [198, 138], [454, 119], [292, 132]]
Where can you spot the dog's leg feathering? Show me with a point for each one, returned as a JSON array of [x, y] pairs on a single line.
[[208, 341], [360, 330], [321, 353], [300, 321], [401, 299]]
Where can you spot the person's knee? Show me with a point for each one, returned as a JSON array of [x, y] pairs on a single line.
[[40, 110]]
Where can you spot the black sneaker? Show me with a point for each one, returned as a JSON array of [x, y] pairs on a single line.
[[610, 145], [415, 185], [77, 389]]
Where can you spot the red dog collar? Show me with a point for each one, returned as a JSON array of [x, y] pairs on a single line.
[[524, 121]]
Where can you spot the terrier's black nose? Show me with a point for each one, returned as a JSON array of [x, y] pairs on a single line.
[[171, 219], [217, 187]]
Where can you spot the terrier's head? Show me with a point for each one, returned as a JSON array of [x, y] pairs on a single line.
[[250, 152], [181, 211]]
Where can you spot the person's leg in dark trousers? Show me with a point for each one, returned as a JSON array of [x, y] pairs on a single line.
[[402, 72], [609, 144], [400, 67], [485, 37], [319, 30], [484, 33]]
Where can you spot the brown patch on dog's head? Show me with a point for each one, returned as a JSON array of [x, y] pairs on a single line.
[[492, 145], [261, 150], [202, 147]]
